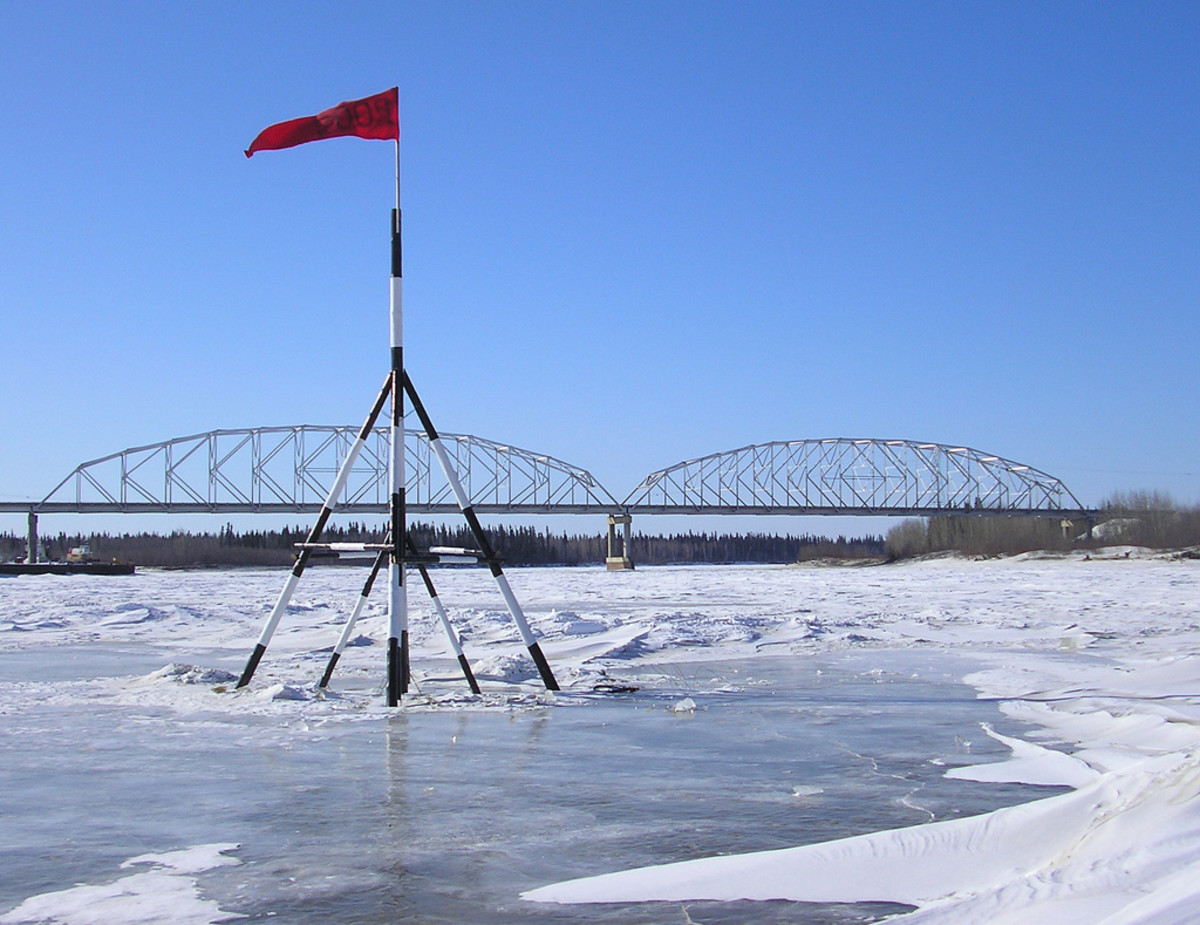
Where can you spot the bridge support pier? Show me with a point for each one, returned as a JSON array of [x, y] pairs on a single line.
[[619, 561], [31, 551]]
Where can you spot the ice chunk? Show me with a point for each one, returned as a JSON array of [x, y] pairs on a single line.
[[182, 673], [283, 691]]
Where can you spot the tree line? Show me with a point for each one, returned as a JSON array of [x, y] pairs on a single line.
[[1149, 519], [520, 545], [1140, 518]]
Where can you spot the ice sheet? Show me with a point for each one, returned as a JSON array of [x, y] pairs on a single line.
[[1117, 849], [120, 688]]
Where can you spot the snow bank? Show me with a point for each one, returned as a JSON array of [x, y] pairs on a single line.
[[1122, 847], [1121, 834]]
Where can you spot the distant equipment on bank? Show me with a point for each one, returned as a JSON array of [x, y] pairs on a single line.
[[79, 561]]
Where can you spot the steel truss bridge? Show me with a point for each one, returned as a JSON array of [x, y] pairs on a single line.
[[290, 470]]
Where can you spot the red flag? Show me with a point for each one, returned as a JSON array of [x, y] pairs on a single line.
[[375, 116]]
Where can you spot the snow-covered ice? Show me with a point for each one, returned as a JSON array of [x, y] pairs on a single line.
[[1001, 741]]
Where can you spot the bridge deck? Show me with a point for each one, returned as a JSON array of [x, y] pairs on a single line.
[[27, 507]]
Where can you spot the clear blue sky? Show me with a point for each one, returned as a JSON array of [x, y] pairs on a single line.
[[635, 233]]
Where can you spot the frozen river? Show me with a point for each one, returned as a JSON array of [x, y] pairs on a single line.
[[774, 708]]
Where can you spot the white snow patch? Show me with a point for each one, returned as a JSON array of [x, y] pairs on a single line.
[[1030, 764], [167, 894]]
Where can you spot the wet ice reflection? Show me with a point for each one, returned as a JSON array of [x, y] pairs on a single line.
[[447, 814]]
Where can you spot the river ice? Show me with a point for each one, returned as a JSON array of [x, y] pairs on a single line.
[[805, 744]]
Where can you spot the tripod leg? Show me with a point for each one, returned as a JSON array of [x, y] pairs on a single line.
[[455, 644], [349, 627], [464, 504], [314, 535]]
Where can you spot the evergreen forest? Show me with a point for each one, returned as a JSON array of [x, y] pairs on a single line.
[[516, 546]]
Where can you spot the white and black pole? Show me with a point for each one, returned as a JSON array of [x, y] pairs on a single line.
[[397, 646], [455, 643], [314, 535], [354, 615], [485, 546]]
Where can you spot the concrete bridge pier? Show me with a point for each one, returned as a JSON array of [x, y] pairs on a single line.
[[31, 550], [618, 561]]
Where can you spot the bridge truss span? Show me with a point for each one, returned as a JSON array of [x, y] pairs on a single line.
[[291, 469], [852, 476]]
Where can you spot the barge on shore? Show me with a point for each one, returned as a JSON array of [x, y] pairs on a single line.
[[66, 568]]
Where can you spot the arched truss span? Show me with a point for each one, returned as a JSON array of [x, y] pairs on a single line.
[[291, 469], [852, 476]]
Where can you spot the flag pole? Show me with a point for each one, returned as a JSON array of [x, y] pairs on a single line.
[[377, 117], [397, 646]]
